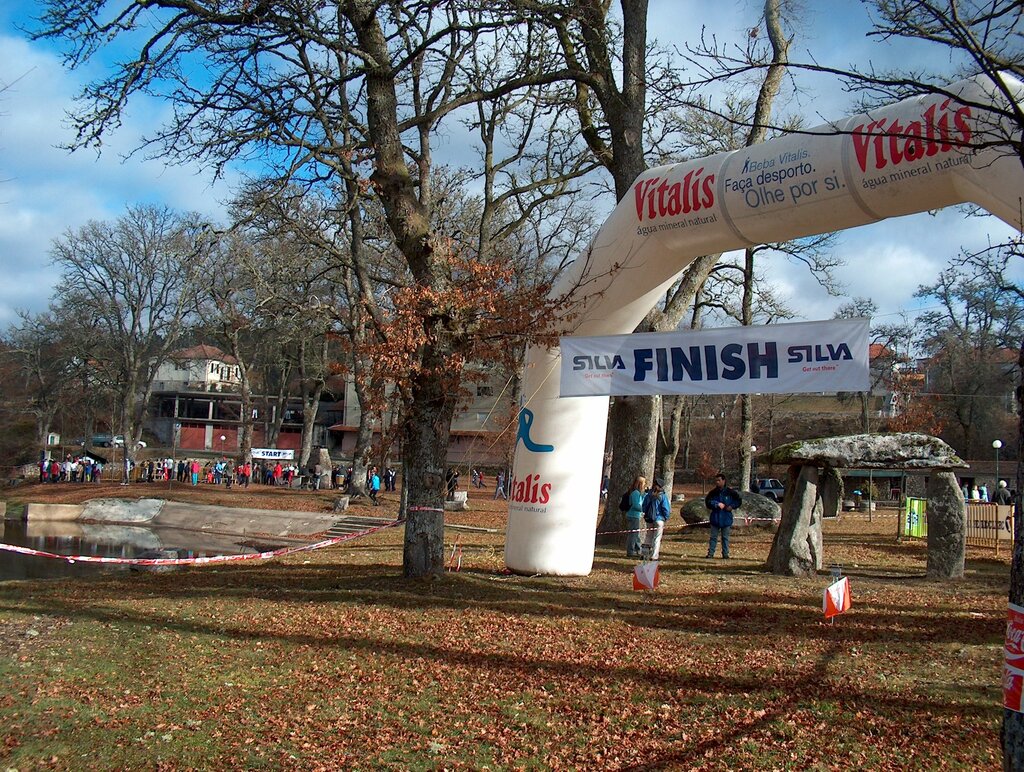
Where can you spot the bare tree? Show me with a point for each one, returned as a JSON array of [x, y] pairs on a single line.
[[133, 281], [48, 359]]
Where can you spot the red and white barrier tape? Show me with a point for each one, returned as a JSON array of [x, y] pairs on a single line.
[[746, 521], [196, 561], [749, 520]]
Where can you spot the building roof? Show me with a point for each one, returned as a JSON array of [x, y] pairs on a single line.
[[877, 350], [204, 351]]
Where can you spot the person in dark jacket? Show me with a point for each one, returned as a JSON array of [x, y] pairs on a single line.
[[720, 503], [1002, 495]]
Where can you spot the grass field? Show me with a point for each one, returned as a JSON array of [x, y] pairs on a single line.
[[330, 659]]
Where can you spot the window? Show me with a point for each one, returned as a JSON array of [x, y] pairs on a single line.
[[485, 391]]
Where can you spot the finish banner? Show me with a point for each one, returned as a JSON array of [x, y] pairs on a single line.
[[804, 357]]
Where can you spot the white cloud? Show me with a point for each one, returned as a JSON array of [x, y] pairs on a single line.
[[45, 190]]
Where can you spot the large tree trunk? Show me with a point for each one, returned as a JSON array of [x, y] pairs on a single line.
[[1012, 734], [426, 449], [633, 428]]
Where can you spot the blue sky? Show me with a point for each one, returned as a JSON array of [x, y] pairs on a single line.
[[45, 190]]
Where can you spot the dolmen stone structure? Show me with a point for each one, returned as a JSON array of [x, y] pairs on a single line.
[[815, 490]]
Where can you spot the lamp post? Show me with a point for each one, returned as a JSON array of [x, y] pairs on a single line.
[[222, 438], [175, 431], [996, 445], [753, 473]]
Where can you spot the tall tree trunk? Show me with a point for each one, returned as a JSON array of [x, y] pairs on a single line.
[[364, 435], [1012, 734], [427, 431], [746, 400], [668, 443], [634, 429], [310, 407]]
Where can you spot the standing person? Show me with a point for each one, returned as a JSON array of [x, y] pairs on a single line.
[[194, 468], [375, 487], [1002, 494], [499, 486], [633, 515], [278, 471], [656, 512], [452, 479], [721, 502]]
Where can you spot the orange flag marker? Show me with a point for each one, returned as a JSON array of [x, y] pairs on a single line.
[[837, 598], [646, 576]]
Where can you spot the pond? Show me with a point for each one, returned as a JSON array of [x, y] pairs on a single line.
[[104, 540]]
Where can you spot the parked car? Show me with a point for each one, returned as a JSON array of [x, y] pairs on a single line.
[[117, 441], [771, 488], [101, 441]]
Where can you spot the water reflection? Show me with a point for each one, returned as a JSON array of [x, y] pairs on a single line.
[[117, 541]]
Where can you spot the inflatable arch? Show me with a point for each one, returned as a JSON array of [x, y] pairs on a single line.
[[919, 154]]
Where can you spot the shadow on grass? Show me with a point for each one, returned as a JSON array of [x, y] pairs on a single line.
[[784, 607]]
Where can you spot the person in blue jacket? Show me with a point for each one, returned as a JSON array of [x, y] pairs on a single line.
[[656, 513], [721, 502], [633, 517]]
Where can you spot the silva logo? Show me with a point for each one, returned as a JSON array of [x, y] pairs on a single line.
[[820, 353], [530, 490], [883, 143], [655, 197], [597, 362]]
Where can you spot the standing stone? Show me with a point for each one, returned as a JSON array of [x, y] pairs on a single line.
[[947, 527], [796, 550], [326, 465], [831, 492]]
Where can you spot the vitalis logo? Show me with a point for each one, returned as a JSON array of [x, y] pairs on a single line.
[[887, 142], [655, 197], [530, 490]]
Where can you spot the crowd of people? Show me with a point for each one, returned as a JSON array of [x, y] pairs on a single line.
[[1002, 495], [230, 472], [223, 471], [79, 469]]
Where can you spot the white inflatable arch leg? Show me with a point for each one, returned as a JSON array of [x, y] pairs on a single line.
[[910, 157]]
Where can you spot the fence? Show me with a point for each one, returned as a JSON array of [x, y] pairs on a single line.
[[988, 525]]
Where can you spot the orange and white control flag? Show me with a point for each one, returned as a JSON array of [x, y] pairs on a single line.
[[646, 576], [837, 598]]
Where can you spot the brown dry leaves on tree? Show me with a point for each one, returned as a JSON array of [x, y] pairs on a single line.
[[484, 314]]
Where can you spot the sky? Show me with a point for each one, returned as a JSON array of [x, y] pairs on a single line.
[[45, 191]]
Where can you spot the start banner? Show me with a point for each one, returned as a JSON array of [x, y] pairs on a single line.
[[804, 357], [273, 453]]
